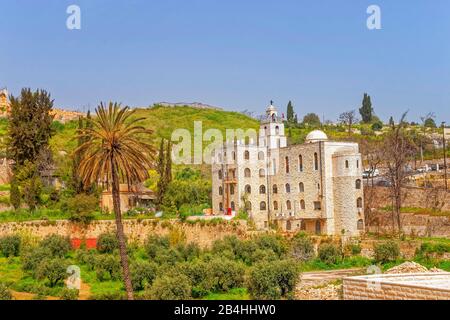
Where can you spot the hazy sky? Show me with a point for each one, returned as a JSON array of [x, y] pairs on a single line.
[[234, 54]]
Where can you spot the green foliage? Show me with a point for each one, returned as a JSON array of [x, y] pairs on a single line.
[[329, 253], [10, 246], [107, 267], [54, 270], [142, 274], [312, 120], [14, 195], [188, 193], [366, 109], [386, 251], [170, 287], [58, 246], [290, 112], [81, 208], [69, 294], [30, 184], [377, 126], [430, 123], [5, 293], [155, 244], [302, 248], [273, 280], [107, 243]]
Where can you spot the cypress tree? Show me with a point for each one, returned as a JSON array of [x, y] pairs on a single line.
[[366, 109], [160, 169], [290, 112]]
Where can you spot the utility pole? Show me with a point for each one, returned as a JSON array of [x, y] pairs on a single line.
[[445, 155]]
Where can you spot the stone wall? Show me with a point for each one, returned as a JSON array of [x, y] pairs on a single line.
[[412, 197], [136, 230], [393, 287]]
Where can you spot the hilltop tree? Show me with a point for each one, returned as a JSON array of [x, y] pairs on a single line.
[[391, 121], [164, 169], [311, 119], [430, 123], [348, 118], [366, 109], [290, 112], [115, 152]]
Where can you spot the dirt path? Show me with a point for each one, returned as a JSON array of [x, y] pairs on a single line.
[[85, 293], [318, 278]]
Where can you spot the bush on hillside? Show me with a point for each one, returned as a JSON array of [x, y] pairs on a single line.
[[107, 267], [58, 246], [274, 280], [10, 246], [107, 243], [386, 251], [33, 257], [154, 244], [69, 294], [170, 287], [329, 253], [302, 248], [53, 270], [5, 293], [81, 208], [142, 274]]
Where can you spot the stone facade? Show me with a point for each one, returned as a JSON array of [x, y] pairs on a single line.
[[315, 187], [422, 286]]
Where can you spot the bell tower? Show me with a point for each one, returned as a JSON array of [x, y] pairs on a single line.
[[271, 130]]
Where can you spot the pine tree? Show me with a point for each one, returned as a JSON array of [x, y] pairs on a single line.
[[391, 122], [14, 194], [366, 109], [295, 119], [290, 112], [168, 168]]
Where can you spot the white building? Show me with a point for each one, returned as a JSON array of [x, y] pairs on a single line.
[[315, 186]]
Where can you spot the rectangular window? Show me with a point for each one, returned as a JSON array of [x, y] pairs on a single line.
[[317, 205]]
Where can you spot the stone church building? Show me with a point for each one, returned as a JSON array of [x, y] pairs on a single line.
[[315, 187]]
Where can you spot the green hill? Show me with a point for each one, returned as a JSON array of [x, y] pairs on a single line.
[[163, 121]]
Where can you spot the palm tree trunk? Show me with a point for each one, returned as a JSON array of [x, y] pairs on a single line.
[[120, 233]]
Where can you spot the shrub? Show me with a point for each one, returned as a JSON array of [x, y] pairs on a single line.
[[57, 245], [273, 242], [81, 208], [155, 244], [329, 253], [54, 270], [352, 249], [222, 275], [142, 274], [386, 251], [109, 295], [69, 294], [107, 266], [107, 243], [189, 251], [87, 257], [33, 257], [10, 246], [273, 280], [377, 125], [302, 248], [5, 293], [170, 287]]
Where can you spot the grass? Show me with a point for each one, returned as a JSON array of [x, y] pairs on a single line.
[[233, 294], [5, 187], [416, 210], [346, 263], [10, 270]]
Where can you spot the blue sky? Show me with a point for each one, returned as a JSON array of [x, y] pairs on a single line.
[[234, 54]]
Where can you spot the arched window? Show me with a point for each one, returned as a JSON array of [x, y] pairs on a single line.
[[316, 161], [288, 188], [346, 164], [248, 189], [220, 206], [231, 189], [359, 203], [220, 174], [286, 161], [233, 154], [360, 224], [247, 173], [277, 130], [248, 206], [220, 191], [357, 164], [233, 207], [275, 205], [274, 189], [247, 155], [288, 205], [358, 184], [262, 189], [260, 155], [302, 204], [300, 163], [262, 206], [318, 227], [262, 173], [301, 187], [303, 225]]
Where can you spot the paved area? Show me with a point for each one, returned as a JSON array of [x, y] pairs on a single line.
[[317, 278]]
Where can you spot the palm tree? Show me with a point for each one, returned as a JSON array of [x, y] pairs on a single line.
[[114, 151]]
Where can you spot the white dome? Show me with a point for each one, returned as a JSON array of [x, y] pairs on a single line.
[[315, 136]]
